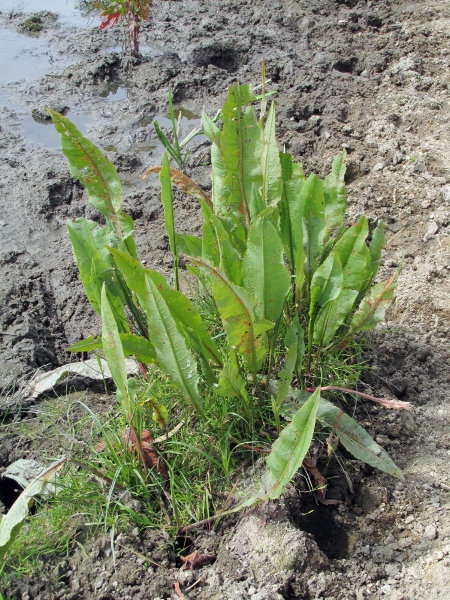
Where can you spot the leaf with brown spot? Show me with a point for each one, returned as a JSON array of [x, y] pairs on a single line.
[[184, 183]]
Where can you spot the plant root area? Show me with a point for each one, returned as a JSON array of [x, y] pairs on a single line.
[[370, 76]]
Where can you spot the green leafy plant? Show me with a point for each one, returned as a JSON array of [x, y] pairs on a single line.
[[133, 12], [172, 142], [291, 286]]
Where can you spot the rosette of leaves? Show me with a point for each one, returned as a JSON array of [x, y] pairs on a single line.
[[274, 255]]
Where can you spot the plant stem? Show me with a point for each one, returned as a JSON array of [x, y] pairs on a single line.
[[386, 403], [273, 343]]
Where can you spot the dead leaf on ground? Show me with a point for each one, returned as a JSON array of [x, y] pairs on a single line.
[[148, 453], [195, 560], [320, 482]]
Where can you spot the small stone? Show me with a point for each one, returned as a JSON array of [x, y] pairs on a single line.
[[445, 191], [251, 591], [433, 228], [378, 167], [391, 570], [409, 519], [430, 532]]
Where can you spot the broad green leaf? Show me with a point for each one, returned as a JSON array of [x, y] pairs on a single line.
[[354, 255], [12, 522], [296, 335], [169, 222], [291, 217], [312, 209], [373, 307], [170, 345], [134, 273], [87, 345], [89, 243], [210, 129], [241, 148], [114, 355], [95, 171], [272, 184], [230, 260], [127, 226], [256, 204], [332, 316], [189, 244], [289, 450], [221, 194], [181, 308], [286, 374], [210, 244], [376, 246], [236, 311], [217, 248], [231, 383], [353, 437], [236, 232], [326, 284], [133, 345], [138, 346], [335, 194], [264, 273]]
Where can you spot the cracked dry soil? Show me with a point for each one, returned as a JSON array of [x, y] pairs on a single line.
[[372, 77]]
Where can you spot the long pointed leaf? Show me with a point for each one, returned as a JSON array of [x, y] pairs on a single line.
[[95, 171], [236, 311], [335, 195], [354, 255], [313, 222], [114, 355], [241, 148], [373, 307], [376, 246], [181, 308], [352, 436], [264, 273], [326, 284], [169, 222], [231, 383], [291, 447], [170, 346], [270, 161]]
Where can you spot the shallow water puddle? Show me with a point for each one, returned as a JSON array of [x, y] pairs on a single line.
[[69, 15], [25, 58], [44, 133]]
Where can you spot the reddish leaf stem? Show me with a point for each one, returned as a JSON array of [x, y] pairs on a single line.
[[386, 403]]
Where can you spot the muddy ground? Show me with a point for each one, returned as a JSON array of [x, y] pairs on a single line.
[[372, 77]]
